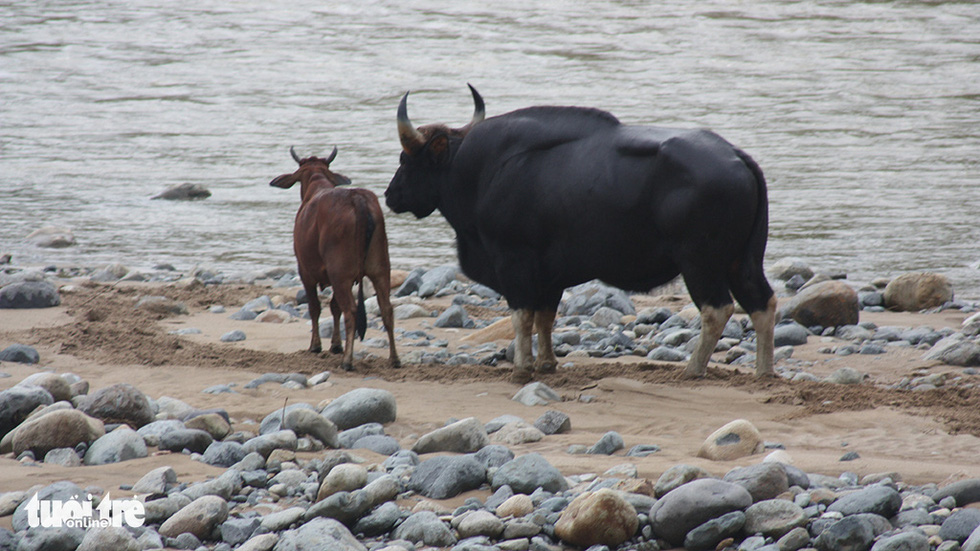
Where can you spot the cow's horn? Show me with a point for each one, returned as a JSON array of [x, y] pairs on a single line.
[[479, 110], [295, 156], [333, 155], [410, 137]]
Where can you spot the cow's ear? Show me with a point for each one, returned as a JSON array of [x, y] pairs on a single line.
[[285, 181], [439, 149]]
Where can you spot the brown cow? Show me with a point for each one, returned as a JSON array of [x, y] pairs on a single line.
[[339, 238]]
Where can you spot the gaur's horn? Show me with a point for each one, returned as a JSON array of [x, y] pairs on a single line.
[[332, 156], [295, 156], [410, 137], [479, 111]]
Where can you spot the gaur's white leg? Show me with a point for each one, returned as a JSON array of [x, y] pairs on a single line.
[[523, 358], [544, 321], [713, 322], [764, 322]]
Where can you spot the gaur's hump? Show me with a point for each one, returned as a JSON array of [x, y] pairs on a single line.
[[578, 115]]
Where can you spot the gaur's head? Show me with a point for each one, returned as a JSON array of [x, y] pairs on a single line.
[[427, 155], [311, 169]]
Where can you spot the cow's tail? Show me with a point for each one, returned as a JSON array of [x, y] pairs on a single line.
[[363, 217]]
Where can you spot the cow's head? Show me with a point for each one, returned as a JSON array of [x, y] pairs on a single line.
[[426, 159], [312, 172]]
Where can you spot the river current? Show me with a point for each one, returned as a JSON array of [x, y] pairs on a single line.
[[865, 116]]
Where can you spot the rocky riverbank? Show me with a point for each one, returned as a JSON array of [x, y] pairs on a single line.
[[138, 386]]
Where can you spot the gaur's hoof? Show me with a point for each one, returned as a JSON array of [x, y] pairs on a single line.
[[692, 374], [337, 349], [521, 377], [396, 363]]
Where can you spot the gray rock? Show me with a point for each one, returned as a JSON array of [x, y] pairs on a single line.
[[790, 334], [199, 517], [360, 406], [845, 376], [265, 444], [436, 280], [378, 443], [692, 504], [66, 457], [233, 336], [29, 294], [587, 298], [380, 521], [711, 533], [121, 444], [763, 481], [119, 403], [59, 428], [411, 283], [497, 423], [179, 440], [964, 492], [478, 523], [677, 476], [51, 539], [159, 510], [667, 354], [151, 432], [225, 486], [20, 353], [157, 481], [307, 422], [224, 454], [851, 533], [973, 542], [880, 500], [553, 422], [114, 538], [59, 491], [183, 192], [774, 518], [236, 531], [18, 402], [454, 316], [464, 436], [318, 534], [447, 476], [905, 541], [345, 507], [608, 444], [347, 438], [536, 394], [786, 268], [527, 473], [955, 350], [959, 525], [426, 528], [273, 421], [494, 456]]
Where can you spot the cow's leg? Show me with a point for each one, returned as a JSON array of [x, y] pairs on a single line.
[[344, 297], [336, 347], [523, 358], [313, 299], [713, 320], [382, 288], [764, 322], [546, 362]]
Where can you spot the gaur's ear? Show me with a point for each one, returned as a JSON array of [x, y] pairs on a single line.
[[285, 181], [439, 148]]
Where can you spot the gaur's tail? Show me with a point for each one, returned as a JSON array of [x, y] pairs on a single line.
[[363, 214]]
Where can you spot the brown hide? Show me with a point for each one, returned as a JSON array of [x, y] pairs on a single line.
[[339, 238]]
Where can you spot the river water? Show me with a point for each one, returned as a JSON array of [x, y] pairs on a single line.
[[865, 116]]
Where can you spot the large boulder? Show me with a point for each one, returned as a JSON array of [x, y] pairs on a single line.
[[119, 403], [64, 428], [827, 304], [738, 438], [29, 294], [361, 406], [918, 291], [602, 517], [18, 402], [693, 504]]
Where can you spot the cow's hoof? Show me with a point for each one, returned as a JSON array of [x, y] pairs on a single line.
[[521, 377], [396, 363], [315, 350], [765, 374], [347, 366], [337, 349], [546, 367]]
